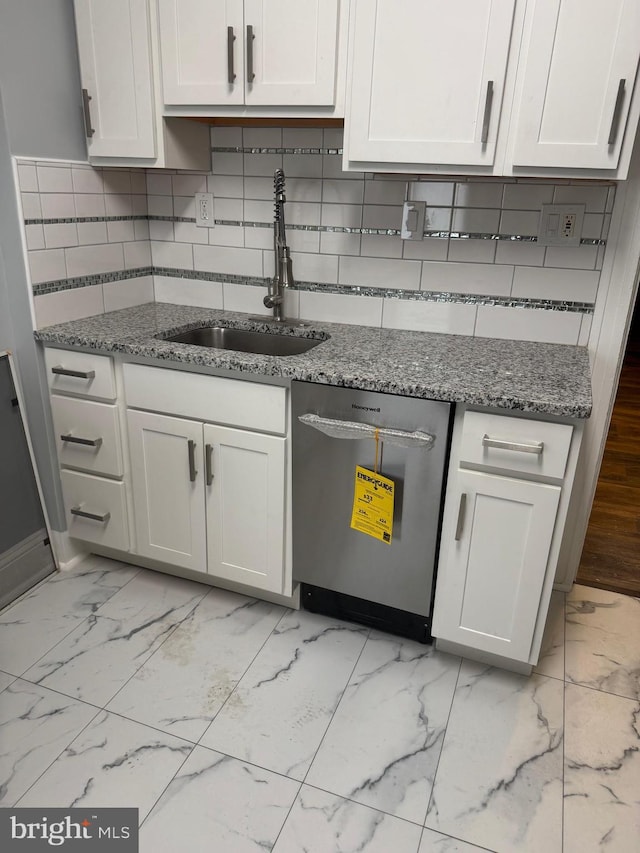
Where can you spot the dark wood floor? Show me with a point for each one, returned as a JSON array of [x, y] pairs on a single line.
[[611, 555]]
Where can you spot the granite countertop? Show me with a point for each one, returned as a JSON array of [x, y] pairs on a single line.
[[521, 375]]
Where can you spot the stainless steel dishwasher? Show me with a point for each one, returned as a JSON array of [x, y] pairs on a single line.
[[344, 572]]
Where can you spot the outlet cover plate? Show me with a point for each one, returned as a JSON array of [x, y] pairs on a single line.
[[204, 210], [560, 224]]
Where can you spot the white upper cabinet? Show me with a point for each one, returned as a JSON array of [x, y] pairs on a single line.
[[249, 52], [115, 67], [578, 72], [427, 80]]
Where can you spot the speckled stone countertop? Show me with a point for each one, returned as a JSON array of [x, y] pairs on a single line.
[[521, 375]]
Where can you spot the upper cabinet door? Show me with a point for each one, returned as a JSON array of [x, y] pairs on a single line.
[[115, 66], [202, 46], [579, 72], [427, 80], [293, 52]]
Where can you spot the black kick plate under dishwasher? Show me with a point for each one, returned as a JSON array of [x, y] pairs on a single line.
[[353, 609]]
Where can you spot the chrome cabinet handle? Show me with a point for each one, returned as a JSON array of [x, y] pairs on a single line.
[[77, 374], [350, 429], [502, 444], [462, 511], [75, 439], [487, 113], [231, 76], [88, 129], [191, 445], [617, 112], [208, 463], [94, 516], [250, 37]]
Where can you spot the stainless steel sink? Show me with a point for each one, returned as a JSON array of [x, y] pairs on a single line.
[[241, 340]]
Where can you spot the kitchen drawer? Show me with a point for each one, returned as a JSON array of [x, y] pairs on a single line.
[[480, 430], [86, 421], [87, 374], [103, 498], [231, 402]]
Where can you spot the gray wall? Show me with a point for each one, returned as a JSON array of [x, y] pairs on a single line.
[[40, 116]]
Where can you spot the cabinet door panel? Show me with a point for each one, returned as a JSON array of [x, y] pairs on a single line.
[[420, 71], [194, 48], [246, 507], [578, 52], [115, 65], [294, 52], [491, 578], [168, 506]]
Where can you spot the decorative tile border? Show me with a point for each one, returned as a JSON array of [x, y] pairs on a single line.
[[89, 280], [138, 217], [274, 150]]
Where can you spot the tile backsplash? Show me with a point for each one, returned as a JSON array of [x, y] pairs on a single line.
[[100, 239]]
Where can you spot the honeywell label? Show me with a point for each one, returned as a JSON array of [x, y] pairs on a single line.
[[79, 830], [373, 497]]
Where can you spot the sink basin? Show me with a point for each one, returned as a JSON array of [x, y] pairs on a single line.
[[241, 340]]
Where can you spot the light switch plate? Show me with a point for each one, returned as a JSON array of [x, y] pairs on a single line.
[[204, 210], [560, 224], [413, 214]]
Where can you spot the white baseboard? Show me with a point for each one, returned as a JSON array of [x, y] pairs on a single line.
[[66, 551]]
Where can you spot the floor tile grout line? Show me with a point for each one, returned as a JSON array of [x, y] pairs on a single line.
[[164, 790], [363, 805], [294, 801]]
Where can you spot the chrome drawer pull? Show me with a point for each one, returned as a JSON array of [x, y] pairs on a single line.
[[75, 439], [617, 112], [231, 75], [191, 449], [350, 429], [487, 113], [77, 374], [250, 39], [88, 129], [502, 444], [208, 463], [94, 516], [462, 510]]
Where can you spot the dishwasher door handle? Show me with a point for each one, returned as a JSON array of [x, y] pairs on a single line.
[[350, 429]]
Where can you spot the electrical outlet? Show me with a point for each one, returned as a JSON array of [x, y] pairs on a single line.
[[413, 213], [204, 210], [560, 224]]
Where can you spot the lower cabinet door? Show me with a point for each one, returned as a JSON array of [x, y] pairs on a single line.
[[496, 540], [168, 491], [245, 506]]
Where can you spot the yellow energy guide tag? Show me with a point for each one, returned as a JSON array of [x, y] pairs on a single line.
[[373, 505]]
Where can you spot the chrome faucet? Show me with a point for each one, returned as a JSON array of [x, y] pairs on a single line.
[[283, 274]]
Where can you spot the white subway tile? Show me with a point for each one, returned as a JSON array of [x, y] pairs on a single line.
[[230, 261], [304, 189], [189, 232], [189, 184], [452, 318], [47, 265], [429, 249], [380, 272], [526, 196], [519, 253], [90, 204], [472, 251], [139, 206], [577, 258], [383, 192], [90, 260], [141, 230], [28, 179], [553, 283], [600, 257], [35, 236], [592, 226], [226, 235], [381, 216], [339, 243], [479, 194], [611, 197], [229, 208], [226, 164], [522, 222], [322, 268], [262, 137], [158, 183], [268, 264], [137, 254], [184, 206], [248, 299], [437, 219], [480, 221], [293, 137], [261, 164], [116, 181], [381, 246], [332, 137], [87, 181], [54, 179], [527, 324], [488, 279], [339, 308], [60, 235], [161, 230], [173, 255], [121, 231], [226, 137], [226, 186], [66, 305], [139, 182], [435, 193], [186, 291], [91, 233], [118, 205], [606, 225], [342, 192], [258, 238], [302, 165], [160, 205], [343, 215], [593, 197], [332, 168], [302, 241], [31, 207], [258, 188], [302, 213], [258, 211], [585, 330], [127, 293], [57, 206]]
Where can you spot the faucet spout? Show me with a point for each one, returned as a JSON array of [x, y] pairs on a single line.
[[283, 272]]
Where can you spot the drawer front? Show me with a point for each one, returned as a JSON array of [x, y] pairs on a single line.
[[104, 499], [230, 402], [80, 373], [515, 444], [87, 435]]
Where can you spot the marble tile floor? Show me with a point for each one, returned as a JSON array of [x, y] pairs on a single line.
[[236, 725]]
